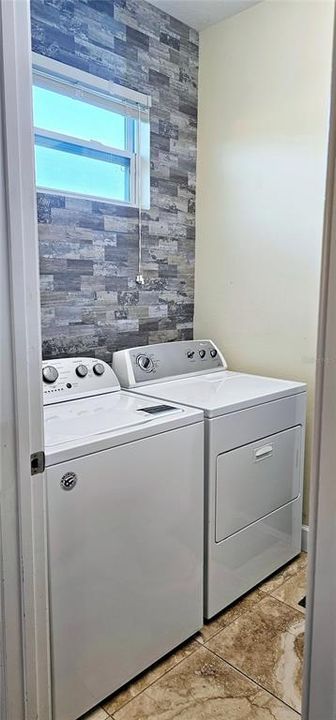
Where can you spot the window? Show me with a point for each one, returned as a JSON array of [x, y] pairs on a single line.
[[91, 136]]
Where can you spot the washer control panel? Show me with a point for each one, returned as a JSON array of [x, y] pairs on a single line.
[[69, 378], [165, 361]]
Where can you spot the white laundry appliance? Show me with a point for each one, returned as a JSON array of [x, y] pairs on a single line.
[[254, 456], [124, 500]]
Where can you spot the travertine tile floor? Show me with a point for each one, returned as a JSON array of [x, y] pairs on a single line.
[[246, 664]]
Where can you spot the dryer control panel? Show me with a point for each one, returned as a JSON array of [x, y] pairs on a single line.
[[70, 378], [166, 361]]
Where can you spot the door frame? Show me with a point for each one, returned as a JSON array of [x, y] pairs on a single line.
[[11, 675], [24, 592], [319, 696], [24, 377]]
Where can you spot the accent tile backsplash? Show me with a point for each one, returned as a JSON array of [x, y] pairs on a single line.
[[88, 250]]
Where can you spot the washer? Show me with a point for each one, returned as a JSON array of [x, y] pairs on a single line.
[[254, 454], [124, 502]]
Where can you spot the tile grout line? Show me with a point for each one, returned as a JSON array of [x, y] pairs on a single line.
[[238, 670], [241, 672], [203, 644], [153, 682], [288, 605], [280, 602], [291, 577], [253, 680], [266, 594]]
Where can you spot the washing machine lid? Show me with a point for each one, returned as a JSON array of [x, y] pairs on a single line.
[[224, 391], [79, 427]]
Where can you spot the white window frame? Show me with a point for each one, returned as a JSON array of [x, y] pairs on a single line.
[[134, 106]]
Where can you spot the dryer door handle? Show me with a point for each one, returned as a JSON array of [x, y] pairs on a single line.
[[263, 452]]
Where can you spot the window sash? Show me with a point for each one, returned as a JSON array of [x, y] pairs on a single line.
[[62, 79], [70, 112], [69, 145], [54, 71], [90, 96], [89, 144]]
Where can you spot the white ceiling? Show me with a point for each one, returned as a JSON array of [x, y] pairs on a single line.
[[199, 14]]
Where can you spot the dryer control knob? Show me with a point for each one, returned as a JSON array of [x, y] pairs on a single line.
[[145, 363], [202, 353], [98, 369], [49, 374], [190, 354], [213, 353], [81, 371]]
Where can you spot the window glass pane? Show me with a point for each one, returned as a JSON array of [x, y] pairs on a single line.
[[73, 169], [69, 116]]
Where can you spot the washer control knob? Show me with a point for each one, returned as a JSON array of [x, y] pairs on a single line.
[[145, 363], [49, 374], [202, 353], [190, 354], [81, 371], [213, 353], [98, 369]]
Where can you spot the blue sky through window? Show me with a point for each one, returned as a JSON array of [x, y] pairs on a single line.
[[69, 116], [71, 168], [81, 175]]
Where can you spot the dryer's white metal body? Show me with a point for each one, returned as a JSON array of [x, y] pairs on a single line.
[[124, 494], [254, 506], [254, 456]]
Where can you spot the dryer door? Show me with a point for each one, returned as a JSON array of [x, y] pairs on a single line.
[[256, 479]]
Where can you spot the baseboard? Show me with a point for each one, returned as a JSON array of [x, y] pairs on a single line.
[[304, 538]]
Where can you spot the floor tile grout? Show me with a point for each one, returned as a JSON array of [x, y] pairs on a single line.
[[267, 595], [269, 579], [108, 714], [282, 602], [154, 681], [238, 670], [253, 680], [287, 604], [203, 645]]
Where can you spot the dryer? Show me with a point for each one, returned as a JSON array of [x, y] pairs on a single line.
[[254, 457], [124, 507]]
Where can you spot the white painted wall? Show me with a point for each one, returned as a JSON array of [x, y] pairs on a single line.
[[263, 129]]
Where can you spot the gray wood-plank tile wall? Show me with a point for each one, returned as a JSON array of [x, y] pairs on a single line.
[[88, 250]]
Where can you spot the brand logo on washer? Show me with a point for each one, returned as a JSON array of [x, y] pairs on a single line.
[[69, 480]]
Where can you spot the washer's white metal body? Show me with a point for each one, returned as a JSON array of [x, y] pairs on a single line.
[[254, 455], [125, 531]]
